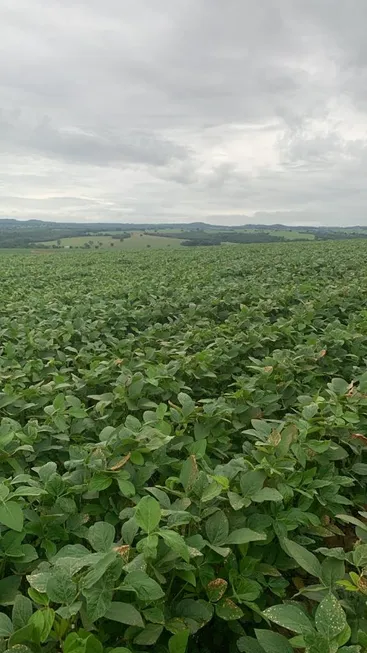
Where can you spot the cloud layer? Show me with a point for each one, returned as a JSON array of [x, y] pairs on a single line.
[[186, 110]]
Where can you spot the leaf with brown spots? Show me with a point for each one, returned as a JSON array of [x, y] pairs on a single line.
[[216, 588], [121, 463]]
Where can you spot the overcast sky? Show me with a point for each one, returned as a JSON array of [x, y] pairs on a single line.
[[227, 111]]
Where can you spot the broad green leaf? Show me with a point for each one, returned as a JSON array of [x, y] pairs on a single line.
[[124, 613], [217, 528], [146, 588], [332, 570], [8, 589], [22, 611], [251, 483], [6, 626], [303, 557], [244, 535], [60, 587], [101, 536], [178, 643], [249, 645], [99, 569], [149, 635], [148, 514], [267, 494], [273, 642], [175, 542], [11, 515]]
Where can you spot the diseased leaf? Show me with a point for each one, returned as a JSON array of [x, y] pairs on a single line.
[[290, 616], [226, 609], [330, 619]]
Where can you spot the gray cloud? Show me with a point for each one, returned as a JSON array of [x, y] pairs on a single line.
[[185, 110]]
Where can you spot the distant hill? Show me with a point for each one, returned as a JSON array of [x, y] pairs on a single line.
[[25, 233]]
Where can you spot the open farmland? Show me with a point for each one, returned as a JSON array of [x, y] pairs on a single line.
[[137, 240], [182, 450]]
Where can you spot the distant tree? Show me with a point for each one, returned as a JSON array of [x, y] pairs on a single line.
[[59, 242], [112, 244]]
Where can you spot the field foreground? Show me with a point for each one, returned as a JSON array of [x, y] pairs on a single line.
[[182, 450]]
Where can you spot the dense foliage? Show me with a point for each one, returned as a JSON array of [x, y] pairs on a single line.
[[182, 450]]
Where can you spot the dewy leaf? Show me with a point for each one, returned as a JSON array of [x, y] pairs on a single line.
[[148, 514], [330, 619], [244, 535], [178, 643], [11, 515], [302, 556], [290, 616], [101, 536], [273, 642], [124, 613]]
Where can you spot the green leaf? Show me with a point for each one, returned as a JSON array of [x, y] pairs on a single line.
[[178, 643], [330, 619], [249, 645], [22, 611], [11, 515], [226, 609], [339, 386], [289, 616], [217, 528], [8, 589], [101, 536], [126, 488], [6, 626], [129, 530], [267, 494], [360, 469], [273, 642], [99, 569], [149, 635], [99, 598], [146, 588], [332, 570], [175, 542], [244, 535], [303, 557], [251, 483], [148, 514], [124, 613], [60, 587]]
